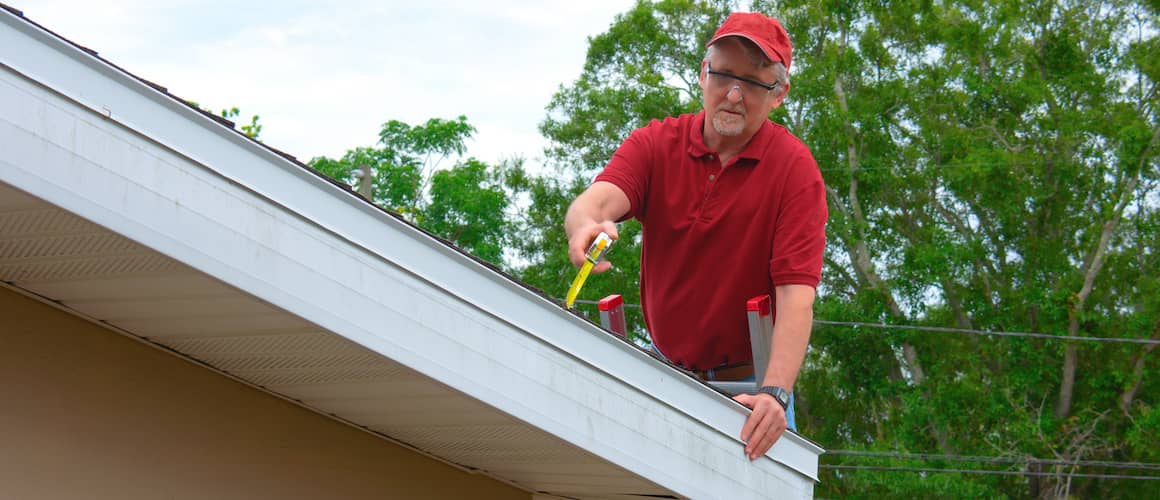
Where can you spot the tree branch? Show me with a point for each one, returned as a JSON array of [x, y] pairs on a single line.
[[970, 237], [1093, 263], [859, 252], [1129, 395]]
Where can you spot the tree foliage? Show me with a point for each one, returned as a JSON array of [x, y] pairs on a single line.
[[253, 129], [468, 207], [991, 165], [465, 203], [636, 72]]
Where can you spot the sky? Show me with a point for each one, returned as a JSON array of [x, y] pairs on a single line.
[[324, 76]]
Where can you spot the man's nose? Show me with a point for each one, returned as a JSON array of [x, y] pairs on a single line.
[[734, 94]]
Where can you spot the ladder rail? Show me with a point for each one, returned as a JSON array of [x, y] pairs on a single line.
[[759, 311], [612, 314]]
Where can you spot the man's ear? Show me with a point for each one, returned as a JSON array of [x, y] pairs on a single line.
[[777, 102], [702, 75]]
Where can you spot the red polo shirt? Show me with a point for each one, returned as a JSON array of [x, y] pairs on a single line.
[[716, 236]]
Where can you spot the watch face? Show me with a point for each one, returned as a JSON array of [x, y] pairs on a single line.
[[779, 394]]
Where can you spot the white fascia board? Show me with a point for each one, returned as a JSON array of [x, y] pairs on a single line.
[[85, 136]]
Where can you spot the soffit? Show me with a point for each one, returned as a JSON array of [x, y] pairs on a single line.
[[111, 280]]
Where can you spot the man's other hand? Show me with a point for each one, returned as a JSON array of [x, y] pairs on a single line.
[[764, 426], [583, 237]]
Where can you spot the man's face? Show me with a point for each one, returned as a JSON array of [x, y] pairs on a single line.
[[735, 107]]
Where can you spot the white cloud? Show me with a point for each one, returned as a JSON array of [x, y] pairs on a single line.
[[325, 76]]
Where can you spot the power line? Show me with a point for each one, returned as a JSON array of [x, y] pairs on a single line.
[[1011, 460], [985, 471], [999, 333], [942, 329], [934, 167], [911, 168]]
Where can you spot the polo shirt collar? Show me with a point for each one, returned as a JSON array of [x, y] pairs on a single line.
[[753, 151]]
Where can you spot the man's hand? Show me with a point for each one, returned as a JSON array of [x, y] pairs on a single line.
[[590, 213], [791, 334], [581, 239], [764, 426]]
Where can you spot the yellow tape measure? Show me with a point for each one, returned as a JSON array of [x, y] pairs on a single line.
[[594, 255]]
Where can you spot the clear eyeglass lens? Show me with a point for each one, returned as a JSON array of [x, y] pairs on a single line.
[[727, 83]]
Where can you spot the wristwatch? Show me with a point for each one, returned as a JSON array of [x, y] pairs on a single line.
[[780, 395]]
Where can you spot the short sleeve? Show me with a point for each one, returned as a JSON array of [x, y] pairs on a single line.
[[630, 167], [800, 232]]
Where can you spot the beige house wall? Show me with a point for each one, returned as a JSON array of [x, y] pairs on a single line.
[[88, 413]]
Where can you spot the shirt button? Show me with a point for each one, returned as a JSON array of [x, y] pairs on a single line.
[[712, 177]]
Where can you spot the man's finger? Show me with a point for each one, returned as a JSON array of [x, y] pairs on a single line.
[[609, 228], [774, 426], [770, 438], [746, 400], [751, 427], [761, 423], [776, 430], [578, 246]]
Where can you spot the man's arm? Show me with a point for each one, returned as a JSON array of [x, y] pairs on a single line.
[[791, 334], [596, 209]]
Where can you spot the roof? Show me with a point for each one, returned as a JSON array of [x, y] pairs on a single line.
[[125, 205]]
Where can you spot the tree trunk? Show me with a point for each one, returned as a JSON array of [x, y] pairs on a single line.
[[1092, 265], [1033, 481], [1129, 395], [1067, 386]]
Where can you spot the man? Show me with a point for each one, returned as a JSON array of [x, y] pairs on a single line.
[[732, 206]]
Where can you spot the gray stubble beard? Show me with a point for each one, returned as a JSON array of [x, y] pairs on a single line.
[[724, 129]]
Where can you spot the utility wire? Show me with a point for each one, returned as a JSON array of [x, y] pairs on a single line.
[[942, 329], [1011, 460], [970, 458], [911, 168], [987, 332], [985, 471]]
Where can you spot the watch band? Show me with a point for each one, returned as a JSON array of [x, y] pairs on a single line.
[[780, 395]]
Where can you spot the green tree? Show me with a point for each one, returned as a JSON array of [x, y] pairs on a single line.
[[982, 159], [643, 68], [252, 129], [991, 165], [465, 202], [467, 207]]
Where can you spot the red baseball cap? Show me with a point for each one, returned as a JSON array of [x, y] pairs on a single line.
[[764, 31]]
